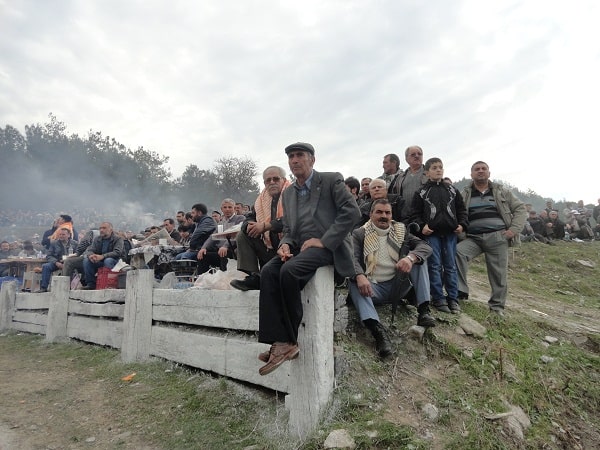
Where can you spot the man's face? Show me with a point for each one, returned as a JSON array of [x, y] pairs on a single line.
[[5, 246], [389, 167], [180, 217], [196, 215], [378, 189], [381, 216], [227, 209], [364, 185], [480, 172], [414, 157], [105, 230], [239, 208], [60, 221], [436, 171], [273, 182], [553, 215], [216, 216], [301, 163], [63, 235], [168, 226]]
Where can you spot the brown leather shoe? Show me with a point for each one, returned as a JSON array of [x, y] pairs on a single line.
[[264, 356], [280, 352]]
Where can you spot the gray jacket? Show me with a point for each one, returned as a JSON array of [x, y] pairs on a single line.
[[116, 248], [334, 211]]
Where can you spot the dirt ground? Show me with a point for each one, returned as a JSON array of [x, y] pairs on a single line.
[[36, 414]]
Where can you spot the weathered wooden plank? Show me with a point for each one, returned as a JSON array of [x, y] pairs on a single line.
[[59, 305], [7, 304], [229, 356], [32, 317], [98, 331], [96, 309], [29, 327], [137, 318], [233, 309], [101, 296], [33, 301], [307, 400]]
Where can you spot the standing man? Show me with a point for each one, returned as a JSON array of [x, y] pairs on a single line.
[[105, 251], [258, 241], [318, 215], [412, 180], [391, 172], [496, 218]]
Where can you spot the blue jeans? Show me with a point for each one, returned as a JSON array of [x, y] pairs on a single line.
[[442, 267], [90, 269], [47, 270], [193, 255]]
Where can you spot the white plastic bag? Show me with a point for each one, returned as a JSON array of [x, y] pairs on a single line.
[[217, 279]]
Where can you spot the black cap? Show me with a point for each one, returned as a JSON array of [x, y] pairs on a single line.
[[300, 146]]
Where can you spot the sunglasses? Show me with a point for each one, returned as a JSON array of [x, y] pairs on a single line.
[[272, 179]]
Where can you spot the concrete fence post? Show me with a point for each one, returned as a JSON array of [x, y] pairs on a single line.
[[312, 378], [8, 296], [137, 317], [58, 311]]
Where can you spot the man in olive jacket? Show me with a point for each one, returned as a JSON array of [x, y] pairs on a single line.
[[318, 215], [496, 217]]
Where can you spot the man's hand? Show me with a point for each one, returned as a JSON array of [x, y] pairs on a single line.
[[95, 258], [284, 252], [201, 254], [426, 230], [312, 242], [459, 229], [404, 265], [255, 229], [222, 252], [58, 264], [508, 234], [364, 285]]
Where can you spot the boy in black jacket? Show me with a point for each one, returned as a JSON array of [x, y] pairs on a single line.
[[440, 211]]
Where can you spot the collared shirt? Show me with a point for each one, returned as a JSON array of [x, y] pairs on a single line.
[[305, 189]]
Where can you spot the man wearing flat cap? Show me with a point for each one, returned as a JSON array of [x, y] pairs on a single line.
[[318, 215]]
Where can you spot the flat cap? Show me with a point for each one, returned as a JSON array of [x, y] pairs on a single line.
[[300, 146]]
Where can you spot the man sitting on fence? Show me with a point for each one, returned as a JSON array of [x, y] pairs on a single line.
[[105, 251], [59, 248], [318, 215], [258, 241]]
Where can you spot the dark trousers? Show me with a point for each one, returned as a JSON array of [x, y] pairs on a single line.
[[280, 303]]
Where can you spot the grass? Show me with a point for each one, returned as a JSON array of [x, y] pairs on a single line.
[[467, 379]]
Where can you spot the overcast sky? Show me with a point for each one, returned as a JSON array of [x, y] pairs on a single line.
[[513, 83]]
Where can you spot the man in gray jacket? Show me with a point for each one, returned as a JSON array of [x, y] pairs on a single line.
[[496, 217], [318, 215], [105, 251]]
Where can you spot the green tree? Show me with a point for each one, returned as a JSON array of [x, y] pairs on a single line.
[[235, 178]]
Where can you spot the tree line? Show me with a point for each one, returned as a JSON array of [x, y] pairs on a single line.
[[47, 168]]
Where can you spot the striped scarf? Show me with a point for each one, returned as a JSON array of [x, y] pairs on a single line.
[[371, 246], [262, 206]]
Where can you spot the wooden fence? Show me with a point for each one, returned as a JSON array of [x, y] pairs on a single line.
[[207, 329]]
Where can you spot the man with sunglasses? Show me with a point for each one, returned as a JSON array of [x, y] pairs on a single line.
[[259, 239]]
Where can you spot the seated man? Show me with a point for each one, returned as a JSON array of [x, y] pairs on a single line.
[[59, 248], [5, 252], [105, 251], [169, 226], [380, 262], [258, 241], [214, 252], [205, 226], [76, 262]]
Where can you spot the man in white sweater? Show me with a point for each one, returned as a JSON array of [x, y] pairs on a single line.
[[385, 253]]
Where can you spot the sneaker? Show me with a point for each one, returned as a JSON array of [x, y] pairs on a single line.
[[40, 290], [425, 320], [454, 307], [441, 307], [250, 283]]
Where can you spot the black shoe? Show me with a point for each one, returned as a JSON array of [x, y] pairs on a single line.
[[40, 290], [441, 307], [462, 295], [454, 307], [250, 283], [89, 287], [425, 320], [383, 344]]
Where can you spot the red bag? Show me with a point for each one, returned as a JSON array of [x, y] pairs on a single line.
[[107, 279]]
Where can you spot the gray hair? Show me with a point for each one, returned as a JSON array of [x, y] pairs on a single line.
[[279, 169]]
